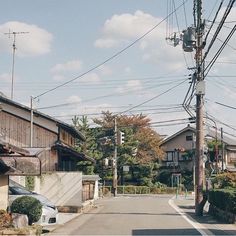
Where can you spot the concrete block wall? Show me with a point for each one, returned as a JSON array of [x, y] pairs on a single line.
[[62, 188]]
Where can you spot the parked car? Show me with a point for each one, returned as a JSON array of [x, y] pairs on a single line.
[[49, 210]]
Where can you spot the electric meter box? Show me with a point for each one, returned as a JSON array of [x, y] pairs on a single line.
[[200, 88]]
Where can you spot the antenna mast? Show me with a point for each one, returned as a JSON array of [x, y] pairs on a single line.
[[14, 33]]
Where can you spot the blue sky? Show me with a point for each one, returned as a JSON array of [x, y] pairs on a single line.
[[68, 38]]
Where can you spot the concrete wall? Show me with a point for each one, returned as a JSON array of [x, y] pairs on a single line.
[[61, 188], [96, 190], [3, 192]]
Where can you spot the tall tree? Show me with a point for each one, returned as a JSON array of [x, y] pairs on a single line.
[[89, 147], [141, 149], [139, 136]]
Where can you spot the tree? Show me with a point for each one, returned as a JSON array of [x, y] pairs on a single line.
[[141, 149], [89, 147]]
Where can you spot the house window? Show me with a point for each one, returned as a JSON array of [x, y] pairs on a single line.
[[169, 156], [189, 138]]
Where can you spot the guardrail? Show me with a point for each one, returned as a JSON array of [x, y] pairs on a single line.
[[130, 189]]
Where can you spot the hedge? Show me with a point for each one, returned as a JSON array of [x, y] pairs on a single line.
[[224, 199]]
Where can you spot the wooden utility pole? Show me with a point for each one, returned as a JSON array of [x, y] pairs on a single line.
[[223, 149], [114, 166], [199, 172]]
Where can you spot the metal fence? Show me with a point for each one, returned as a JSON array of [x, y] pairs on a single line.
[[107, 190]]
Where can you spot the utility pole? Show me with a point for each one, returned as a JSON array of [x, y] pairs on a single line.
[[31, 122], [223, 149], [199, 172], [114, 182], [13, 57]]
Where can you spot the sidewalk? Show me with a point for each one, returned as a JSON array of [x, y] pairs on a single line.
[[63, 217], [206, 222]]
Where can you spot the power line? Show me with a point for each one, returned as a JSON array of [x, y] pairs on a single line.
[[113, 56], [108, 95], [226, 13], [151, 99], [222, 104], [220, 6], [219, 51]]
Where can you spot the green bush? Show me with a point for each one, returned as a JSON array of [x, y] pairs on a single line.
[[224, 199], [29, 206]]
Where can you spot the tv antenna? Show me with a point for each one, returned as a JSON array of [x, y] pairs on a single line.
[[14, 33]]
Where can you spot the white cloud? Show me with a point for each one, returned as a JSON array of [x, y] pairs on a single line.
[[73, 99], [36, 42], [91, 78], [5, 77], [126, 28], [130, 86], [70, 66], [128, 70], [59, 78], [105, 43], [105, 70]]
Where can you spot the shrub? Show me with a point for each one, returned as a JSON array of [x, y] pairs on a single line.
[[224, 199], [225, 180], [29, 206]]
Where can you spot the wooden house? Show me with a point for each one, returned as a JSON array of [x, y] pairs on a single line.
[[19, 128]]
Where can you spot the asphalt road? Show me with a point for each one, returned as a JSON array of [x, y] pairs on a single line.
[[126, 215]]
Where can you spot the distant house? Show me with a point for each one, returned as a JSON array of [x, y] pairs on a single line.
[[180, 150], [57, 138]]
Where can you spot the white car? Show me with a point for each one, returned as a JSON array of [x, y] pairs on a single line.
[[49, 210]]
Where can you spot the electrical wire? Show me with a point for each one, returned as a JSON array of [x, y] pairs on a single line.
[[220, 6], [226, 13], [153, 98], [177, 22], [209, 66], [113, 56]]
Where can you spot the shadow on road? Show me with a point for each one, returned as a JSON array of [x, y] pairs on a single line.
[[165, 232], [178, 232], [131, 213]]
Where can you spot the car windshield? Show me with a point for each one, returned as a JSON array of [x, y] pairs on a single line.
[[18, 191]]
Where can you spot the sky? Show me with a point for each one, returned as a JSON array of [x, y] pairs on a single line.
[[81, 57]]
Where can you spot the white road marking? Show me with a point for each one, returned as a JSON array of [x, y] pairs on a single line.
[[199, 227]]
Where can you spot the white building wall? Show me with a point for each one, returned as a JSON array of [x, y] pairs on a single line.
[[96, 190], [3, 192], [61, 188]]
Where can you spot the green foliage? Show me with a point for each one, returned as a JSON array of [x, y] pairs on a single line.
[[29, 206], [146, 181], [141, 147], [224, 199], [86, 167], [165, 177], [187, 180], [225, 180], [29, 183]]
